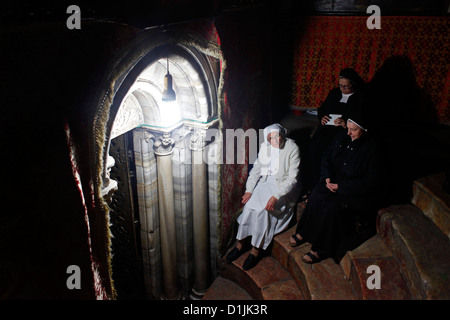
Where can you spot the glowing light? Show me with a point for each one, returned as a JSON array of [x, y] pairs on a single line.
[[169, 112]]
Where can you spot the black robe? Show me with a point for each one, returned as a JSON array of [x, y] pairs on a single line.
[[337, 222], [325, 134]]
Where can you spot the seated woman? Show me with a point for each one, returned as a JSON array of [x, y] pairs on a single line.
[[345, 100], [270, 195], [341, 211]]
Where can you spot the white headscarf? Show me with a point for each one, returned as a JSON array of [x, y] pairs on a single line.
[[273, 153], [364, 129], [276, 127]]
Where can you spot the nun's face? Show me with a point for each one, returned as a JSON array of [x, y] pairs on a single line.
[[345, 86], [354, 131], [274, 139]]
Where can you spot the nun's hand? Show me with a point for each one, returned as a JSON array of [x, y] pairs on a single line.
[[246, 197], [339, 122], [271, 203], [333, 187], [325, 119]]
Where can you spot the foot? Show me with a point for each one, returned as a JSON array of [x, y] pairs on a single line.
[[311, 257], [255, 252], [234, 254], [296, 240], [251, 261], [253, 258]]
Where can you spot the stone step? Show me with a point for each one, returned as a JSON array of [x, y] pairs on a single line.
[[285, 276], [421, 249], [320, 281], [225, 289], [429, 197], [281, 248], [268, 280], [374, 252]]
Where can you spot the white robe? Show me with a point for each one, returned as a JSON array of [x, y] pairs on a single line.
[[274, 173]]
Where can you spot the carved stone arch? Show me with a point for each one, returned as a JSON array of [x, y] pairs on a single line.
[[149, 107], [129, 116], [125, 69], [116, 90]]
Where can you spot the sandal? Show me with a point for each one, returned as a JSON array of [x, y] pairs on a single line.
[[298, 242], [305, 197], [313, 260]]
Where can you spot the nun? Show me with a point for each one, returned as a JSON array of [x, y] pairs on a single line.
[[341, 211], [346, 99], [270, 196]]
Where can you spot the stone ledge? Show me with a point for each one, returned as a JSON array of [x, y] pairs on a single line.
[[374, 252], [320, 281], [224, 289], [421, 249], [433, 201], [261, 281], [286, 289], [281, 248], [372, 248]]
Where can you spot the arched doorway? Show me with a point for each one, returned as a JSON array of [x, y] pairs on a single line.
[[163, 204]]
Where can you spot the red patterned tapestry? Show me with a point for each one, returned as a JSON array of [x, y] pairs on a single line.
[[327, 44]]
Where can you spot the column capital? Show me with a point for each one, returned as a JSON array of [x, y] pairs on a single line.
[[198, 139], [162, 142]]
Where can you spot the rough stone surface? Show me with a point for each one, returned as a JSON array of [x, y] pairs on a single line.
[[281, 248], [282, 290], [374, 252], [392, 284], [411, 249], [319, 281], [257, 281], [420, 247], [435, 203], [372, 248], [224, 289]]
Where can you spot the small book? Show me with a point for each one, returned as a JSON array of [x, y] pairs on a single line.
[[333, 117]]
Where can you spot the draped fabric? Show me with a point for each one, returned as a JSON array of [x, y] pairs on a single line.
[[327, 44]]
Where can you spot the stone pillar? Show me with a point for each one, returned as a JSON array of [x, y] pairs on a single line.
[[182, 185], [200, 214], [147, 195], [163, 147]]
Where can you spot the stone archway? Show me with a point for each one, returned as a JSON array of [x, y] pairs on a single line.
[[165, 140]]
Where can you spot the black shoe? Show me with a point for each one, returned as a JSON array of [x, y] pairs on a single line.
[[251, 261], [234, 254]]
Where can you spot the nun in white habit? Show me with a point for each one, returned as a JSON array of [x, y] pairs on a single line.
[[270, 195]]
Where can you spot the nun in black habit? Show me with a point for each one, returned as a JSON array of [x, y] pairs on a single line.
[[341, 211], [345, 100]]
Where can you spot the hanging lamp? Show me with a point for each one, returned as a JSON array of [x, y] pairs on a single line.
[[168, 93]]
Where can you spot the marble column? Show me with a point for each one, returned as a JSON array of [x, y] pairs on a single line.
[[163, 147], [200, 214], [147, 195]]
